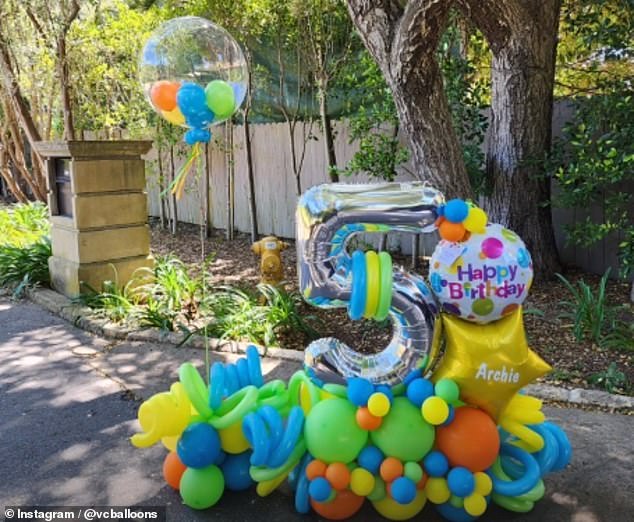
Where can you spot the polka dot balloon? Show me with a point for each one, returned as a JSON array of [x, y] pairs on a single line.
[[483, 278]]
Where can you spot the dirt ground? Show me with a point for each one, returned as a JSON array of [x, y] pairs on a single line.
[[549, 335]]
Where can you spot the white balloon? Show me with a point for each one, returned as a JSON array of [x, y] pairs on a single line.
[[484, 278]]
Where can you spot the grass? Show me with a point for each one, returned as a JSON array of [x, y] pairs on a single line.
[[24, 245]]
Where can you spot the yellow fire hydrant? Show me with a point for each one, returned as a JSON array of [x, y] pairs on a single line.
[[270, 251]]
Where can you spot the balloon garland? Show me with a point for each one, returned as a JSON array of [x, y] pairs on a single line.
[[455, 430]]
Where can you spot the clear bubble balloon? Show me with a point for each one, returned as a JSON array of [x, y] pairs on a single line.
[[193, 73]]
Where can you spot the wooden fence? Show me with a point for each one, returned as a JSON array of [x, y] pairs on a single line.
[[276, 195]]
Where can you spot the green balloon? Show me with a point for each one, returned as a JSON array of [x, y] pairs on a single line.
[[220, 99], [201, 488], [332, 433], [404, 434], [379, 492], [448, 390]]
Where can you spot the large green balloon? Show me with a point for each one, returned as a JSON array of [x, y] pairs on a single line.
[[403, 433], [332, 433], [220, 99], [201, 488]]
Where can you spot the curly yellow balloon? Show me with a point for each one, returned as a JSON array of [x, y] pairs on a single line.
[[269, 486], [522, 411], [165, 414], [169, 443], [391, 509], [489, 362]]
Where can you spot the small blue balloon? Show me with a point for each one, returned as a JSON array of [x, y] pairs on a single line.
[[193, 136], [456, 210], [454, 514], [414, 374], [198, 445], [436, 464], [359, 391], [319, 489], [191, 99], [403, 490], [418, 390], [461, 482], [200, 120], [387, 391], [236, 471], [370, 458], [451, 416]]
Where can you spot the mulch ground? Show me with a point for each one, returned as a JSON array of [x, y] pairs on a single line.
[[550, 336]]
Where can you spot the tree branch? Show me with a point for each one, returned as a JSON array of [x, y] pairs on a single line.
[[70, 18], [36, 23]]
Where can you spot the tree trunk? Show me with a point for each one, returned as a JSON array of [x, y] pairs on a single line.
[[403, 42], [172, 197], [329, 141], [426, 122], [523, 43], [69, 126]]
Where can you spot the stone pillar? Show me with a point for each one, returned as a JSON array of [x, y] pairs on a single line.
[[98, 212]]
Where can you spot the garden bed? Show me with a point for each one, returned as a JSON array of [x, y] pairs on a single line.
[[576, 364]]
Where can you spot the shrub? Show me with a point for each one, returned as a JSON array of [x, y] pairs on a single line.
[[591, 314], [23, 224], [612, 379], [25, 264]]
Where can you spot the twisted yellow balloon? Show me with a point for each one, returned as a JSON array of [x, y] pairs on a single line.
[[165, 414], [521, 411]]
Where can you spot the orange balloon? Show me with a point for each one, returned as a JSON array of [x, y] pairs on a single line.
[[173, 469], [391, 469], [471, 440], [451, 231], [367, 421], [338, 475], [345, 504], [163, 95], [421, 483], [315, 469]]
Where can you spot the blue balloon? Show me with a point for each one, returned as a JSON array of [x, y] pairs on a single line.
[[454, 514], [403, 490], [451, 416], [370, 458], [319, 489], [461, 482], [436, 464], [236, 471], [522, 484], [387, 391], [194, 136], [418, 390], [198, 445], [359, 391], [414, 374], [456, 211], [200, 120], [191, 99]]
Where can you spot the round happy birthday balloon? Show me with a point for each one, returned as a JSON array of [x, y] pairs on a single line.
[[193, 73], [484, 278]]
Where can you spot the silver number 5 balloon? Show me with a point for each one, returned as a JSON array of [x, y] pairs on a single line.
[[327, 217]]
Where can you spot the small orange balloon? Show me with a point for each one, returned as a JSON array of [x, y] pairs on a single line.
[[471, 440], [451, 231], [163, 95], [173, 469], [391, 469], [315, 469], [345, 504], [439, 221], [338, 475], [421, 483], [367, 421]]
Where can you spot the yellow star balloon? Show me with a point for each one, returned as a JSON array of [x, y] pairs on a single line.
[[490, 362]]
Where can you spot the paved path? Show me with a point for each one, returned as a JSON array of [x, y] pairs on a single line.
[[68, 407]]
